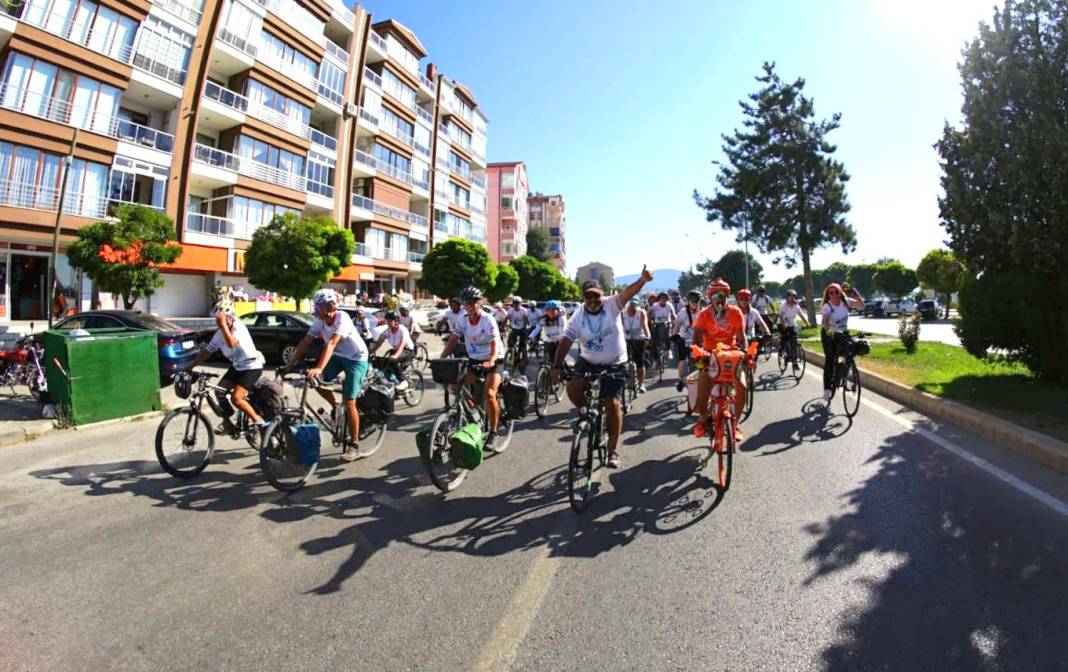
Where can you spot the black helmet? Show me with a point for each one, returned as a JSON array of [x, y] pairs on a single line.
[[390, 315], [454, 299], [183, 384], [662, 295], [761, 289], [693, 295], [471, 295]]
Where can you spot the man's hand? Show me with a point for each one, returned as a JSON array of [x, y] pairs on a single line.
[[647, 275], [554, 375], [220, 319], [488, 364], [314, 372]]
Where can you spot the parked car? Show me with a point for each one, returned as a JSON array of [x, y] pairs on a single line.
[[930, 309], [378, 318], [177, 345], [887, 307], [570, 307], [276, 334]]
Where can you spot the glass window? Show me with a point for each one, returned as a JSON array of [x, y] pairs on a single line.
[[506, 202], [508, 180]]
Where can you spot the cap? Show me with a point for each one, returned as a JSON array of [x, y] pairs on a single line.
[[592, 286]]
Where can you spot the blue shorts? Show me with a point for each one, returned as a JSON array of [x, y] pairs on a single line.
[[355, 371]]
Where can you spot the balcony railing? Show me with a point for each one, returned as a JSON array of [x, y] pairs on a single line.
[[62, 112], [464, 171], [41, 197], [180, 9], [151, 65], [361, 248], [245, 166], [347, 17], [331, 95], [426, 81], [323, 140], [320, 188], [240, 103], [337, 53], [425, 116], [231, 99], [372, 77], [384, 253], [478, 181], [218, 226], [379, 41], [391, 170], [216, 157], [416, 257], [371, 118], [236, 42], [383, 209], [289, 69]]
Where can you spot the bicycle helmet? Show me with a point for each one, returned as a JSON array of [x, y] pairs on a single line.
[[662, 295], [791, 292], [390, 316], [633, 302], [225, 306], [761, 289], [517, 299], [719, 286], [455, 300], [744, 294], [693, 295], [553, 304], [325, 297], [183, 385], [471, 295]]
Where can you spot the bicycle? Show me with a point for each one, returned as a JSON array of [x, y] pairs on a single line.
[[751, 357], [462, 407], [516, 356], [544, 388], [186, 452], [722, 365], [661, 343], [421, 356], [589, 447], [790, 354], [412, 394], [846, 375], [280, 455]]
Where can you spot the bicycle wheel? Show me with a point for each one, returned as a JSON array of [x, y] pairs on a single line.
[[505, 429], [372, 434], [749, 394], [280, 461], [542, 390], [416, 385], [725, 456], [509, 358], [184, 442], [580, 467], [765, 349], [782, 360], [662, 357], [421, 358], [444, 473], [851, 389], [798, 361]]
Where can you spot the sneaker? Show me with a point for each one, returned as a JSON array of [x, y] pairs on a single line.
[[700, 430], [613, 460], [402, 385], [679, 385], [350, 454], [826, 395], [641, 389], [222, 429], [489, 446]]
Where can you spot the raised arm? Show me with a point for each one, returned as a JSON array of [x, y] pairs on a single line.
[[635, 287]]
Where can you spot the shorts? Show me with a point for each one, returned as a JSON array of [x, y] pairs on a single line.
[[355, 371], [612, 386], [636, 351], [245, 379], [682, 348], [477, 364]]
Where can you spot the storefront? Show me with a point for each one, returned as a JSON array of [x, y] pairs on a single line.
[[24, 273]]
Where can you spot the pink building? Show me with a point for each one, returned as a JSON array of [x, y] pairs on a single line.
[[506, 210]]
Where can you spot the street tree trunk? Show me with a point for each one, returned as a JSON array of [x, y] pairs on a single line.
[[810, 297], [128, 301], [949, 297]]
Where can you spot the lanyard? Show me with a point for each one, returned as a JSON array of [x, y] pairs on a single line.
[[595, 335]]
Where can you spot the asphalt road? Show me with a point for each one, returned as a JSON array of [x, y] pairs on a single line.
[[933, 330], [885, 542]]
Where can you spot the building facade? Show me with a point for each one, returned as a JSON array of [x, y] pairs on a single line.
[[507, 220], [223, 113], [596, 271], [549, 212]]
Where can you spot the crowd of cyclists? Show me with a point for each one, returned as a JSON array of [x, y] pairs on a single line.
[[609, 331]]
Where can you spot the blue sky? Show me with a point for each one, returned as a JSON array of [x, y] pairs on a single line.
[[620, 106]]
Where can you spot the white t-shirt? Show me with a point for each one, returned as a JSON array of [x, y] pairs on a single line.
[[549, 330], [408, 321], [519, 317], [395, 338], [632, 325], [478, 337], [839, 316], [751, 320], [453, 318], [600, 336], [788, 314], [684, 324], [663, 313], [243, 356], [351, 346], [761, 303]]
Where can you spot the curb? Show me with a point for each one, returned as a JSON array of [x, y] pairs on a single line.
[[1033, 445], [17, 435]]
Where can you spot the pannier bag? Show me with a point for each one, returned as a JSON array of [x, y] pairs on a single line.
[[465, 446], [446, 371], [376, 400], [268, 398], [516, 395], [861, 346], [303, 443]]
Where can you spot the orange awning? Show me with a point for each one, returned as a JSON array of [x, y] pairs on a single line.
[[200, 258]]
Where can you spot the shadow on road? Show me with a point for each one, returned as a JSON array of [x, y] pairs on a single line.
[[968, 583], [815, 424]]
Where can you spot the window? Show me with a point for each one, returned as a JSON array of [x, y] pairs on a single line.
[[252, 212], [271, 99], [241, 27], [86, 23], [508, 248], [458, 164], [257, 150], [163, 49], [43, 90], [249, 320], [392, 158], [460, 196], [392, 85], [376, 241], [506, 202], [320, 174], [507, 180], [402, 128], [274, 51], [30, 178], [332, 82]]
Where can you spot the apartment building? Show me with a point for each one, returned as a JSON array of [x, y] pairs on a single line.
[[507, 190], [549, 212], [596, 271], [222, 113]]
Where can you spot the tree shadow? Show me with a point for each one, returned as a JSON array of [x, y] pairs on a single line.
[[974, 573], [815, 424]]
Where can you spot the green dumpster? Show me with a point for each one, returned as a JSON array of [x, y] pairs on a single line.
[[109, 373]]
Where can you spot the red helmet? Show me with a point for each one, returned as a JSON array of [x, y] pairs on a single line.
[[744, 294], [719, 286]]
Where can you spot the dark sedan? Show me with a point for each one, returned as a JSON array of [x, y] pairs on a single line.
[[177, 345], [276, 334]]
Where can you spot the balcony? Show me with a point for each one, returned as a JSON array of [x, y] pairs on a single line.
[[391, 128], [217, 226], [62, 112], [345, 14], [40, 197], [378, 165], [291, 70], [323, 140], [241, 44], [460, 169], [329, 94], [478, 182], [180, 9], [372, 76], [425, 117], [261, 171], [337, 53], [416, 257], [382, 209], [239, 103], [368, 117], [426, 82], [379, 42]]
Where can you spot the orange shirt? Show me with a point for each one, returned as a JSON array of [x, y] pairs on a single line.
[[723, 330]]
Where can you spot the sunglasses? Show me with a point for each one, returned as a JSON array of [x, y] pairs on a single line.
[[720, 294], [592, 297], [833, 293]]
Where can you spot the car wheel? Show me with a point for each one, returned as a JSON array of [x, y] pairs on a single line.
[[286, 353]]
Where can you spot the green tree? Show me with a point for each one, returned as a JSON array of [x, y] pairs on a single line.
[[774, 289], [862, 278], [505, 282], [697, 277], [538, 243], [780, 187], [454, 264], [294, 257], [122, 255], [731, 267], [895, 279], [940, 271], [1005, 183], [539, 280]]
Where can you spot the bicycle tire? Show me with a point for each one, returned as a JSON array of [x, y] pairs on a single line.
[[194, 462], [749, 394], [279, 466], [782, 361], [580, 467], [662, 357], [765, 350], [505, 429], [851, 385], [252, 434], [725, 457], [450, 477], [421, 358], [413, 396], [800, 362], [371, 437], [542, 390]]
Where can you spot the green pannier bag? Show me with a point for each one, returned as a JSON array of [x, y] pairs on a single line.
[[465, 446], [422, 442]]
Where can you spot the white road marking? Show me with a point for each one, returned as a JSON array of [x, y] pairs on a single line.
[[1041, 496]]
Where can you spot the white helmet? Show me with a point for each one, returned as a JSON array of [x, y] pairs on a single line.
[[226, 307], [325, 296]]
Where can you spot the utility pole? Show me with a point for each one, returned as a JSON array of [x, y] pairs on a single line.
[[747, 253], [67, 160]]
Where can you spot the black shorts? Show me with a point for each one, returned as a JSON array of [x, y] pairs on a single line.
[[611, 386], [477, 365], [245, 379], [636, 351], [682, 350]]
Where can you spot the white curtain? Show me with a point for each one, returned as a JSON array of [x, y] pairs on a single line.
[[72, 201], [83, 19], [125, 33], [59, 18], [85, 93], [46, 197], [38, 90], [6, 191], [15, 77], [94, 190], [24, 175], [103, 27], [107, 107], [36, 11]]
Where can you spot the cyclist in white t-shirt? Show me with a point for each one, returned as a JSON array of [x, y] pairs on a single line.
[[636, 330], [453, 314], [402, 348], [762, 302], [409, 322], [682, 333], [550, 327], [602, 348], [661, 318], [519, 320], [835, 323]]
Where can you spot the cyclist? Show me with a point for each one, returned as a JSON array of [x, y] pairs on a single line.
[[762, 302], [363, 324], [343, 352], [234, 341], [550, 327], [636, 330], [520, 321], [485, 352], [650, 300], [790, 312], [677, 301], [662, 315], [602, 348], [501, 315], [682, 333], [835, 323], [754, 321], [719, 323], [402, 348], [451, 318], [409, 322]]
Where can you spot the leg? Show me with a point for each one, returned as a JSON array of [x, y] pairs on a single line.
[[227, 385], [240, 397], [613, 413], [829, 357], [493, 408], [576, 392]]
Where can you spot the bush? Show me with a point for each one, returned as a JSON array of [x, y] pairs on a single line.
[[908, 330]]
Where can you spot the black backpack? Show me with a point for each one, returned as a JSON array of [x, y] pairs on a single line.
[[268, 398]]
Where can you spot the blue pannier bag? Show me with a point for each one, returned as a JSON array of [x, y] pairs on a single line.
[[308, 442]]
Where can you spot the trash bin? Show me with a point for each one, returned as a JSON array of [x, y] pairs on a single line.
[[103, 373]]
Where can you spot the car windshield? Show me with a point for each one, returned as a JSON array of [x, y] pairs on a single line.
[[303, 318], [157, 323]]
